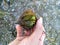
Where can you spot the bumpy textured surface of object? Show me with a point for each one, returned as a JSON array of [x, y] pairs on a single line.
[[28, 19]]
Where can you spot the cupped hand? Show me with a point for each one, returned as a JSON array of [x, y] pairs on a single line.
[[36, 38]]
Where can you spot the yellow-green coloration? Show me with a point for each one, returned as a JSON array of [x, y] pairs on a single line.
[[28, 19]]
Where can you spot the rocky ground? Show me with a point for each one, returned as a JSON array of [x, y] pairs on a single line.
[[10, 10]]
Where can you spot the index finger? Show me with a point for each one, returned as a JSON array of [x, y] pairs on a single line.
[[19, 30]]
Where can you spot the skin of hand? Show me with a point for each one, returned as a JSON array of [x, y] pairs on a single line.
[[36, 38]]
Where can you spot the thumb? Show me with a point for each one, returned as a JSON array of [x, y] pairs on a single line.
[[38, 28], [39, 24]]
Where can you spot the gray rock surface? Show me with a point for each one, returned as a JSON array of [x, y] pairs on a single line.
[[48, 9]]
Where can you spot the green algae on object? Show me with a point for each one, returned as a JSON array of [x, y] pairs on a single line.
[[28, 19]]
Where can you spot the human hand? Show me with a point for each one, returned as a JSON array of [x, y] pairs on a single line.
[[36, 38]]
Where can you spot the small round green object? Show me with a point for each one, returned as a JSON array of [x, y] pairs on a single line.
[[27, 20]]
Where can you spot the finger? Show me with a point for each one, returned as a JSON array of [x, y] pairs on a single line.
[[19, 30], [39, 25]]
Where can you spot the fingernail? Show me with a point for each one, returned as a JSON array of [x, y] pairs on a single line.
[[41, 20]]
